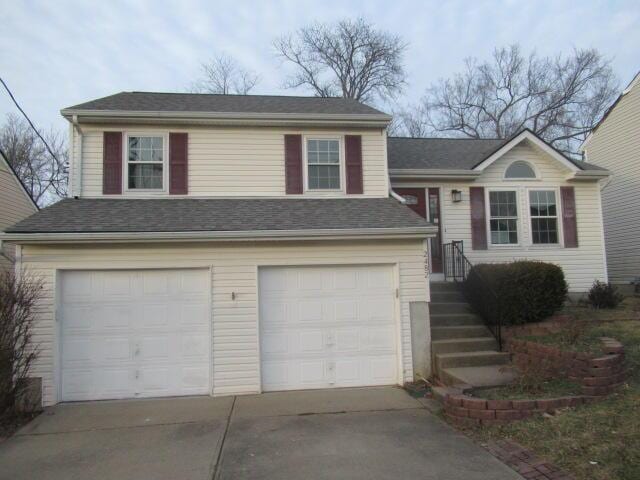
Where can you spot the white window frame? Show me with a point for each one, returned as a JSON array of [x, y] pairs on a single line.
[[518, 219], [165, 163], [558, 217], [521, 179], [341, 164]]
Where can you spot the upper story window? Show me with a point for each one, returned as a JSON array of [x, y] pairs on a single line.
[[145, 162], [503, 217], [520, 170], [544, 216], [323, 164]]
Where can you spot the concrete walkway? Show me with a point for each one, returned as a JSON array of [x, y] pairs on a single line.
[[372, 433]]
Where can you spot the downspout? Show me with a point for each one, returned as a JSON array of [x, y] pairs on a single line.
[[78, 179], [401, 199]]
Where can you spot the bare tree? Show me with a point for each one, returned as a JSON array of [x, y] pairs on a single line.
[[350, 59], [45, 176], [18, 301], [559, 98], [224, 75]]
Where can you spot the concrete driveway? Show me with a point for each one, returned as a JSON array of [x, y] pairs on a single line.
[[368, 433]]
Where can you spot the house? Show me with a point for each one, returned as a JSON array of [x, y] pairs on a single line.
[[615, 144], [506, 200], [228, 244], [221, 245], [15, 204]]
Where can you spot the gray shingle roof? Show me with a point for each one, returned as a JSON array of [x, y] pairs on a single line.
[[217, 215], [439, 153], [212, 103], [449, 153]]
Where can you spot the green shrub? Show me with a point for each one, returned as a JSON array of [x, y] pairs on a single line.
[[604, 295], [525, 291]]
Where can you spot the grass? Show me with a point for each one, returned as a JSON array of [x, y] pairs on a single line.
[[598, 441], [548, 389], [10, 423]]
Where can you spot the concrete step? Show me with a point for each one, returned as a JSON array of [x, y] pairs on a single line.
[[486, 376], [448, 297], [464, 345], [471, 359], [451, 307], [463, 331], [454, 319], [444, 287]]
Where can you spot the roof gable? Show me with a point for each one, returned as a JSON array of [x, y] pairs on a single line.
[[537, 142]]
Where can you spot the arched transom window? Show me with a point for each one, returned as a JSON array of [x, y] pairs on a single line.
[[519, 170]]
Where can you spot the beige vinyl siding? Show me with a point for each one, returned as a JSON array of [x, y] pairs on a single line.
[[615, 145], [234, 268], [247, 161], [581, 265], [14, 206]]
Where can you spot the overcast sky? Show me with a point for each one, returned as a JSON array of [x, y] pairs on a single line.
[[58, 53]]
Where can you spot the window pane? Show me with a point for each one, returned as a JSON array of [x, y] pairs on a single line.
[[324, 177], [544, 230], [520, 170], [145, 176]]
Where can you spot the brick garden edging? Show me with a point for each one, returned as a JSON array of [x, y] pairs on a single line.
[[598, 374], [525, 462]]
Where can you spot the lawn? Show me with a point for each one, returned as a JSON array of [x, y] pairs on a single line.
[[598, 441]]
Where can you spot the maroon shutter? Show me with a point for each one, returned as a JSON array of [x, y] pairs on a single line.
[[178, 163], [478, 219], [569, 224], [353, 153], [293, 163], [112, 163]]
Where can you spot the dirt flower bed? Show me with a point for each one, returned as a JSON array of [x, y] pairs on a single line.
[[555, 387]]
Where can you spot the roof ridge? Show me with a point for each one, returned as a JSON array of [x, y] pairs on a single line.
[[244, 95]]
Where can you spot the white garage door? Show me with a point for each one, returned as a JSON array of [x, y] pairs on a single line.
[[130, 334], [326, 327]]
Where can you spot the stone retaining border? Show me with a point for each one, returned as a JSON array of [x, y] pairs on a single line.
[[599, 376], [525, 462]]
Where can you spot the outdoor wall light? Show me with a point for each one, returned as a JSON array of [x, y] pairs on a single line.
[[456, 196]]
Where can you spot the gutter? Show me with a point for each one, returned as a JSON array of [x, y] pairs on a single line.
[[228, 117], [212, 236], [424, 173]]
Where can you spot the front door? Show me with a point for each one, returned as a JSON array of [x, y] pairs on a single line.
[[426, 203]]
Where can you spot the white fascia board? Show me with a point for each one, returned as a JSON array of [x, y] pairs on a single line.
[[527, 135], [435, 173], [381, 120], [590, 175], [137, 237]]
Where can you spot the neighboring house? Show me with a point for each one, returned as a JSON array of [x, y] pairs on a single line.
[[15, 204], [615, 144], [506, 200], [223, 244]]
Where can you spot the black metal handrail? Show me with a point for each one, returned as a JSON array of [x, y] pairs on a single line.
[[457, 266]]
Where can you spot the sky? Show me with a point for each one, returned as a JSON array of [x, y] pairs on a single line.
[[58, 53]]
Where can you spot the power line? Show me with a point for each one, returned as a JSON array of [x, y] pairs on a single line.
[[29, 120]]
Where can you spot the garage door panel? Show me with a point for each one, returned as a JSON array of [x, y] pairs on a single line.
[[135, 334], [327, 326]]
